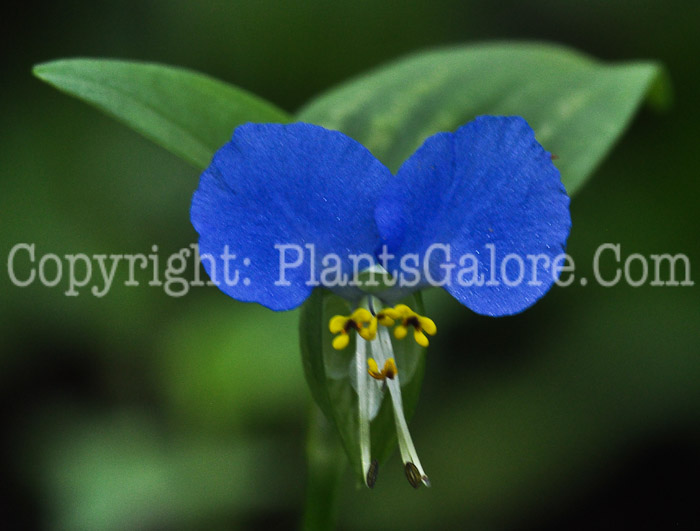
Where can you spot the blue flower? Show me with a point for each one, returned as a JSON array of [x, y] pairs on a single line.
[[480, 212]]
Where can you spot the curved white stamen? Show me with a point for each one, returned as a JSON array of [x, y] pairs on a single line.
[[381, 351], [363, 401]]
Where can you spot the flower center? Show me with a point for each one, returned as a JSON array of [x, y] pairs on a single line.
[[365, 324], [372, 381]]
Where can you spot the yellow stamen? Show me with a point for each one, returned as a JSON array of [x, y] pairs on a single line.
[[365, 324], [420, 338], [389, 370], [370, 331], [337, 323], [387, 316], [400, 332], [406, 317], [373, 370], [361, 320], [341, 341], [427, 324]]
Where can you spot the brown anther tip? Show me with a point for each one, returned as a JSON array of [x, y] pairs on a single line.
[[372, 473], [426, 481], [552, 156], [413, 476]]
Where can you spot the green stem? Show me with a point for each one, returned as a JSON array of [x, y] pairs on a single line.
[[326, 461]]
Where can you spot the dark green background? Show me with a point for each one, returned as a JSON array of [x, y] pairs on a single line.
[[139, 410]]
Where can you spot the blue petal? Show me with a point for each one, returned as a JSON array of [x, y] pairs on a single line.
[[297, 184], [487, 188]]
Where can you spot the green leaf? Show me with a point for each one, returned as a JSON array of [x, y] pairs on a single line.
[[326, 371], [578, 107], [187, 113]]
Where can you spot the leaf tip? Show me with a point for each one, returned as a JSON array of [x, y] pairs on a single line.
[[47, 70], [660, 90], [39, 70]]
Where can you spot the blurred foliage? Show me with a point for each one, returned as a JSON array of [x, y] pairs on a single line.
[[576, 106], [139, 410], [186, 112]]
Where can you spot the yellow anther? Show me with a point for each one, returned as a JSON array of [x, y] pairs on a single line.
[[373, 370], [420, 338], [337, 323], [387, 316], [400, 332], [403, 311], [341, 341], [369, 332], [361, 315], [365, 324], [421, 325], [389, 370], [361, 320], [427, 325]]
